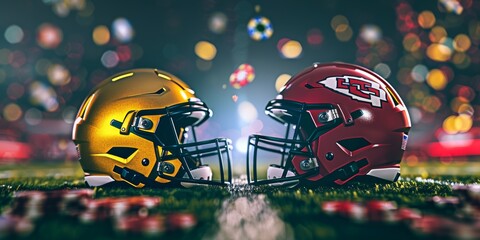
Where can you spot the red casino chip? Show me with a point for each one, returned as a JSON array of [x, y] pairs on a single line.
[[136, 224], [347, 209], [181, 221], [242, 76]]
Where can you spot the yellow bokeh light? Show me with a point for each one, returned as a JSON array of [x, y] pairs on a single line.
[[466, 109], [461, 60], [439, 52], [431, 104], [281, 80], [411, 42], [437, 79], [437, 34], [101, 35], [426, 19], [291, 49], [455, 104], [342, 34], [463, 123], [338, 20], [461, 43], [12, 112], [205, 50], [449, 125]]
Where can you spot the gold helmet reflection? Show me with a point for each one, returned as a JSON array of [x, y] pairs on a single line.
[[132, 128]]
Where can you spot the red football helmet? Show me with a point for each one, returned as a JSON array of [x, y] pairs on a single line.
[[349, 123]]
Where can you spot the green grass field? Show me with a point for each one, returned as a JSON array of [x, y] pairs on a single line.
[[259, 213]]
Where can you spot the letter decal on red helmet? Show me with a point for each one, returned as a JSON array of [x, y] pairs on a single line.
[[357, 88]]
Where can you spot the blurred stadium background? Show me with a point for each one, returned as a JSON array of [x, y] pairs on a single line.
[[53, 52]]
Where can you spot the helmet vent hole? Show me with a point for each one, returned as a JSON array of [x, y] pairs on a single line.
[[123, 152], [160, 91], [309, 86], [353, 144]]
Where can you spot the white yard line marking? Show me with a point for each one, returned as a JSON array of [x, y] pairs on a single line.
[[250, 217]]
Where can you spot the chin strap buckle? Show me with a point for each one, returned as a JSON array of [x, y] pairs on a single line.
[[130, 175], [349, 170]]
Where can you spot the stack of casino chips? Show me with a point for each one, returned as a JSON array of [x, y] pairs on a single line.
[[370, 211], [115, 207], [156, 224], [36, 204]]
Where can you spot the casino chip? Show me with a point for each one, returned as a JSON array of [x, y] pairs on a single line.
[[100, 209], [150, 225], [176, 221], [242, 76], [260, 28]]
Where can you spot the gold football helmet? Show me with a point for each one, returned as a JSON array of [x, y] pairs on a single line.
[[133, 128]]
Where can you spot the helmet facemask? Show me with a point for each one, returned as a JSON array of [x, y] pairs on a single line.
[[296, 145], [170, 138]]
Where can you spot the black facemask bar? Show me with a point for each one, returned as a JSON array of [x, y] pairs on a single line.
[[290, 113], [174, 118]]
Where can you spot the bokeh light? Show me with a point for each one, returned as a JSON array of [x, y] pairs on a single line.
[[461, 43], [68, 114], [122, 30], [411, 42], [426, 19], [383, 70], [314, 37], [437, 34], [241, 144], [218, 23], [43, 95], [101, 35], [291, 49], [247, 112], [439, 52], [281, 80], [49, 36], [370, 33], [58, 75], [12, 112], [431, 104], [466, 93], [242, 76], [260, 28], [419, 73], [338, 20], [343, 32], [449, 125], [14, 34], [437, 79], [33, 116], [205, 50], [461, 60], [110, 59], [452, 6]]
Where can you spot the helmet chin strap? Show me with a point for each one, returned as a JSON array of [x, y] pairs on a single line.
[[201, 173], [276, 172]]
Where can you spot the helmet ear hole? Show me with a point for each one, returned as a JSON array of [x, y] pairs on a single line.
[[353, 144]]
